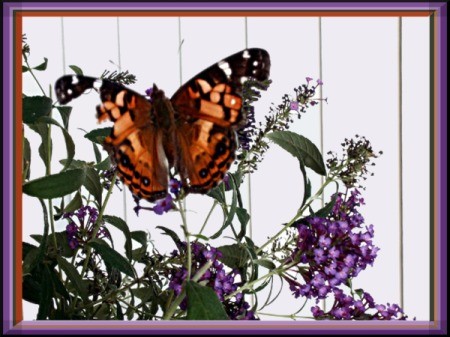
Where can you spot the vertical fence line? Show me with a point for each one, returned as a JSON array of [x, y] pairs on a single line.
[[63, 46], [180, 51], [400, 154], [324, 302], [249, 180]]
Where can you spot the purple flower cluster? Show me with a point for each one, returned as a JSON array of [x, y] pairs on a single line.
[[222, 282], [346, 307], [86, 217], [305, 96], [331, 250]]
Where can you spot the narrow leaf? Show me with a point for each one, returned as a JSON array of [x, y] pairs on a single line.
[[98, 135], [42, 66], [172, 234], [74, 277], [74, 204], [93, 185], [45, 300], [301, 148], [55, 185], [26, 160], [229, 214], [103, 165], [111, 257], [76, 70], [140, 236], [265, 263], [325, 210], [65, 111], [203, 303], [121, 225]]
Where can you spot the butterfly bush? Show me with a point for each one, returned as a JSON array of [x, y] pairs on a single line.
[[81, 272]]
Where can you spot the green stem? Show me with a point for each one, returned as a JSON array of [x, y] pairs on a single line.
[[173, 307], [275, 271], [32, 74], [299, 213], [98, 223], [207, 218], [187, 237]]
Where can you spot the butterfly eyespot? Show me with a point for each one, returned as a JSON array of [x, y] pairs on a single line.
[[125, 161], [220, 148], [203, 173], [146, 181]]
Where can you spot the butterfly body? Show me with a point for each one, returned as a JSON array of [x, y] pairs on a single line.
[[192, 133]]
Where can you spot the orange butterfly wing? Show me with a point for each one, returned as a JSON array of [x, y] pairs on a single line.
[[211, 103], [135, 144]]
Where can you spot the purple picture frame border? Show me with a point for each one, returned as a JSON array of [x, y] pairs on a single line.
[[207, 327]]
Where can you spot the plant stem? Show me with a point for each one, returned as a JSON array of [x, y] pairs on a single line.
[[187, 237], [32, 74], [207, 218], [170, 312], [299, 213]]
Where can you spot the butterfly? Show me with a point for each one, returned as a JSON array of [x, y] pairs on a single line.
[[193, 132]]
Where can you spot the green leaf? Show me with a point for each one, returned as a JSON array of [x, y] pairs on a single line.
[[144, 294], [62, 242], [172, 234], [29, 261], [26, 159], [55, 185], [44, 152], [35, 107], [76, 70], [231, 213], [265, 263], [325, 210], [140, 236], [218, 193], [98, 155], [74, 204], [70, 145], [301, 148], [25, 69], [93, 185], [98, 135], [75, 163], [234, 256], [244, 218], [65, 111], [46, 294], [74, 277], [121, 225], [104, 165], [111, 257], [42, 66], [203, 303]]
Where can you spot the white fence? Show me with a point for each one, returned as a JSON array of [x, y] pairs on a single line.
[[358, 60]]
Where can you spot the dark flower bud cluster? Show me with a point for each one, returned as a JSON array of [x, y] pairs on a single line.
[[81, 226], [253, 138], [222, 282], [346, 307], [331, 250], [106, 177], [353, 166], [123, 77]]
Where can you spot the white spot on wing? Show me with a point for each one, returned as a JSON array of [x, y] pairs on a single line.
[[255, 63], [244, 79], [246, 54], [97, 84], [69, 91], [225, 66], [233, 101], [75, 80]]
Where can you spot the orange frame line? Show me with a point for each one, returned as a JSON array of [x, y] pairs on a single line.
[[17, 48]]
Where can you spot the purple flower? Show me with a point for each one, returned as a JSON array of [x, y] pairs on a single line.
[[216, 277], [175, 186], [294, 105], [149, 92], [309, 79], [73, 243], [319, 82], [164, 205]]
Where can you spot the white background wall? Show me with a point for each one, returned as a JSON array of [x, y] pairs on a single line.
[[360, 75]]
